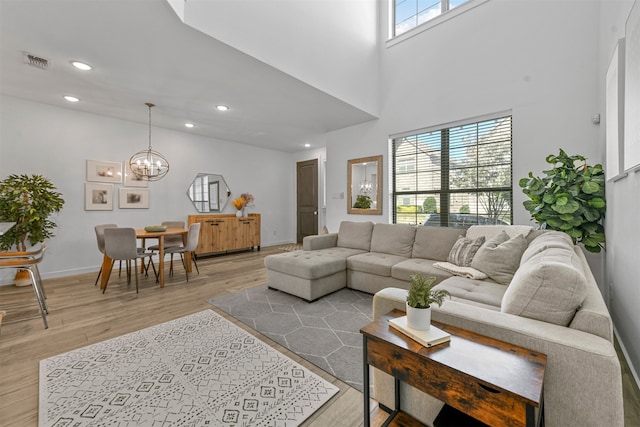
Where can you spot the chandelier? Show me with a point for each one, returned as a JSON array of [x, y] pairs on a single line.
[[365, 185], [147, 164]]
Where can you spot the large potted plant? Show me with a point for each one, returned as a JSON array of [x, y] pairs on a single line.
[[419, 299], [570, 198], [28, 201]]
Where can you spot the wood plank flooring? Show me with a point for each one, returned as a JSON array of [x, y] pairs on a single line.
[[81, 315]]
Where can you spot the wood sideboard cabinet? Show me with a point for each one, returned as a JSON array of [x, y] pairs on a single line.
[[226, 232]]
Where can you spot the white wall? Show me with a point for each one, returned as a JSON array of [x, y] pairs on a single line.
[[623, 207], [330, 45], [56, 142]]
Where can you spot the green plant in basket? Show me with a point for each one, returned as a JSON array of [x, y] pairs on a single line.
[[421, 293], [569, 198]]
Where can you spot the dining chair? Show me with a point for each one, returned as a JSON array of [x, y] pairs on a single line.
[[99, 229], [170, 240], [193, 236], [29, 261], [121, 244]]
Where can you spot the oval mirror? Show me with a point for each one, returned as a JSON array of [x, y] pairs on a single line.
[[209, 192]]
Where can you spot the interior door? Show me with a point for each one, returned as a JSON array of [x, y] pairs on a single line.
[[307, 198]]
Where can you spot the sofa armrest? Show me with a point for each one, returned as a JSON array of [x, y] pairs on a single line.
[[581, 367], [321, 241]]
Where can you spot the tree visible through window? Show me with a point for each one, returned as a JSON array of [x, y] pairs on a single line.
[[457, 176], [408, 14]]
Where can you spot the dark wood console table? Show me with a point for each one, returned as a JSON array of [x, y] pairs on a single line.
[[495, 382]]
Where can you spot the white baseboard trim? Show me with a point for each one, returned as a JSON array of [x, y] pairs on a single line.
[[634, 372]]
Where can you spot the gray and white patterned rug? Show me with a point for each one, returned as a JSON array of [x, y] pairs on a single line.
[[199, 370], [326, 332]]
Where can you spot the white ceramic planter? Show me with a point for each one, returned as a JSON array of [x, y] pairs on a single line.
[[419, 318]]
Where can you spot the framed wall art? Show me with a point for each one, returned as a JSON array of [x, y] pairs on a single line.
[[131, 180], [615, 113], [632, 90], [98, 197], [100, 171], [133, 198]]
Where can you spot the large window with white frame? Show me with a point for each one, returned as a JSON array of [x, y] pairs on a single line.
[[408, 14], [457, 176]]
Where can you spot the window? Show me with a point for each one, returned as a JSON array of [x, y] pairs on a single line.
[[461, 175], [408, 14]]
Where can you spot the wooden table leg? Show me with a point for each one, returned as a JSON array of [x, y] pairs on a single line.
[[161, 261], [106, 271]]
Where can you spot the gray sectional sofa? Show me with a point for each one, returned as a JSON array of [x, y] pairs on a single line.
[[537, 292]]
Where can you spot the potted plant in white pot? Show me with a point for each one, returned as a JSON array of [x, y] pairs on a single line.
[[419, 299], [28, 201]]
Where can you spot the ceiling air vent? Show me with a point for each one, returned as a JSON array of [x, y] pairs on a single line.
[[35, 61]]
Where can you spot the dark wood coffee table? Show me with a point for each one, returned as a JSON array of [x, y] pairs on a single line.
[[495, 382]]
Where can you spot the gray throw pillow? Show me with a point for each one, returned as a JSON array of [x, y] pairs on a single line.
[[499, 257], [463, 251]]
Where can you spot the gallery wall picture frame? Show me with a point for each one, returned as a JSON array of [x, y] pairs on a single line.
[[98, 197], [632, 90], [103, 171], [131, 180], [133, 198], [615, 114]]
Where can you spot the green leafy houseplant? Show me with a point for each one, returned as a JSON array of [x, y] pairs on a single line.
[[570, 198], [421, 293], [362, 202], [28, 201]]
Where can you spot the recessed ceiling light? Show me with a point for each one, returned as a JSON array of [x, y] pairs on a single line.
[[307, 145], [189, 125], [222, 108], [71, 98], [81, 65]]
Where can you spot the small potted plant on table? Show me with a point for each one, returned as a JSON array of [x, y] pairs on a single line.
[[419, 299]]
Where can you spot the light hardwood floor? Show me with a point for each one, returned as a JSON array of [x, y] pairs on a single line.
[[81, 315]]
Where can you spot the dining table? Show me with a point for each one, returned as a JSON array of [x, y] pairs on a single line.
[[143, 235]]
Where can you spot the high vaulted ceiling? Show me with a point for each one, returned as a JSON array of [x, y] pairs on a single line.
[[141, 52]]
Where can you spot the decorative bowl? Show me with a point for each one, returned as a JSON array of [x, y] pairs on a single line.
[[155, 228]]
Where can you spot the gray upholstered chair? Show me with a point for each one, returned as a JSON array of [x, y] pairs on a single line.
[[99, 229], [192, 242], [121, 244], [170, 240]]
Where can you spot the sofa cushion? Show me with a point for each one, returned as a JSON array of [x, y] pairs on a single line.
[[374, 263], [472, 291], [305, 264], [500, 257], [489, 231], [355, 235], [404, 269], [434, 242], [549, 239], [394, 239], [549, 287], [463, 250]]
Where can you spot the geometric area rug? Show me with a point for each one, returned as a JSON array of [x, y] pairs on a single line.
[[325, 332], [198, 370]]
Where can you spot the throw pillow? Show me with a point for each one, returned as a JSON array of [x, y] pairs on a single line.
[[463, 251], [548, 287], [500, 257]]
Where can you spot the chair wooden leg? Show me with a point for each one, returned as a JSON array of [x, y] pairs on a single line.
[[135, 268], [98, 278], [105, 286], [193, 258]]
